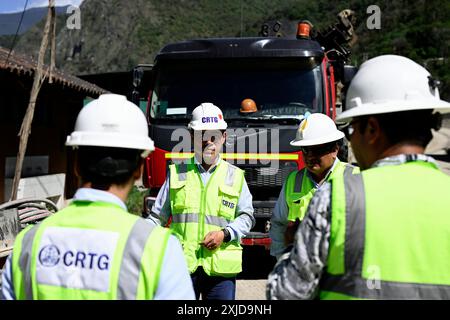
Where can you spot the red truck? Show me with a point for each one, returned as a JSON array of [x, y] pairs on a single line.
[[284, 76]]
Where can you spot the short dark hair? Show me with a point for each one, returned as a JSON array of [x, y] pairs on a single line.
[[412, 127], [102, 166]]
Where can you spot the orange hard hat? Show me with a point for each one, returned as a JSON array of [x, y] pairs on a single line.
[[248, 106]]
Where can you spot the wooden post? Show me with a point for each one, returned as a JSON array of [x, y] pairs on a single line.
[[39, 77], [53, 44]]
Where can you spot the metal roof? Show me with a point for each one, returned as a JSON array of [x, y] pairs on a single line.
[[23, 65]]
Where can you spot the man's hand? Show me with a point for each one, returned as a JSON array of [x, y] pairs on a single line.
[[291, 229], [213, 240]]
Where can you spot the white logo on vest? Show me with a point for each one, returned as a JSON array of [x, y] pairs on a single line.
[[49, 256], [78, 258]]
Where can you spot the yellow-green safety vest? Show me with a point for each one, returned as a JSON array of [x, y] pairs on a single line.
[[299, 189], [89, 250], [198, 209], [389, 237]]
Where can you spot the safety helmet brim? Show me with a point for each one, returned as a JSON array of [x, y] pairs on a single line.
[[207, 116], [368, 109], [335, 136], [114, 122], [199, 126], [112, 140]]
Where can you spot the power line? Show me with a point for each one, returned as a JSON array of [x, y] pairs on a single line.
[[17, 32]]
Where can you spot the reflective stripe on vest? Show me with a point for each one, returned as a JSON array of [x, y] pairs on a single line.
[[348, 170], [140, 251], [350, 284], [198, 209], [300, 189], [229, 180], [130, 267], [193, 217], [299, 181], [25, 261], [182, 170], [299, 177]]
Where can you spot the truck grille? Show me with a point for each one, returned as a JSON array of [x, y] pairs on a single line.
[[263, 211], [267, 176]]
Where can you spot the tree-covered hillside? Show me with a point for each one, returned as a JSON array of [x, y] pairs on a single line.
[[116, 34]]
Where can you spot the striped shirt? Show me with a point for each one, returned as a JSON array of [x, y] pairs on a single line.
[[297, 273]]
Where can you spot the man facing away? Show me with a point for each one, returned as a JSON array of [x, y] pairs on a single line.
[[94, 249], [383, 233]]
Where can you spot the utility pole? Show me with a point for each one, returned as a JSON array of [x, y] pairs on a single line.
[[39, 77], [53, 41]]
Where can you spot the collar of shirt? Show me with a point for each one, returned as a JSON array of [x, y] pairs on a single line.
[[317, 185], [89, 194], [211, 169], [404, 158]]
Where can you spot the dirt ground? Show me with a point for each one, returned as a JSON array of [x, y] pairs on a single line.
[[251, 289]]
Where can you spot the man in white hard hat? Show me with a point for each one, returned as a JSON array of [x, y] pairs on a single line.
[[319, 140], [383, 233], [94, 249], [210, 207]]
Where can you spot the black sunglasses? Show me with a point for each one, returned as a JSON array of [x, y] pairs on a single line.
[[350, 129], [318, 150], [205, 135]]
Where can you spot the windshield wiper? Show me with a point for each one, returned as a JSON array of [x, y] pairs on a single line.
[[169, 120], [277, 118], [282, 116], [268, 117]]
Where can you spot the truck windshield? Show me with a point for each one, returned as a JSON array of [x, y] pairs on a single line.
[[278, 90]]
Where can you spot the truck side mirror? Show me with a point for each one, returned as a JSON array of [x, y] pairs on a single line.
[[347, 76], [349, 73], [138, 73], [142, 76]]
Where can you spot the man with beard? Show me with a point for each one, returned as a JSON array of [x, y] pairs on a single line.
[[209, 206], [319, 140]]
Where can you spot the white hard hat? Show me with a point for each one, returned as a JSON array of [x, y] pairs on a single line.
[[316, 129], [111, 121], [207, 116], [391, 83]]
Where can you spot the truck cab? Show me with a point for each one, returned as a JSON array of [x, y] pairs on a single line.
[[285, 77]]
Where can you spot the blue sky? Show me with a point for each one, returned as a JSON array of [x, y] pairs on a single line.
[[17, 5]]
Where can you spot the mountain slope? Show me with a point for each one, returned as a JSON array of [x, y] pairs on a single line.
[[9, 22], [116, 35]]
